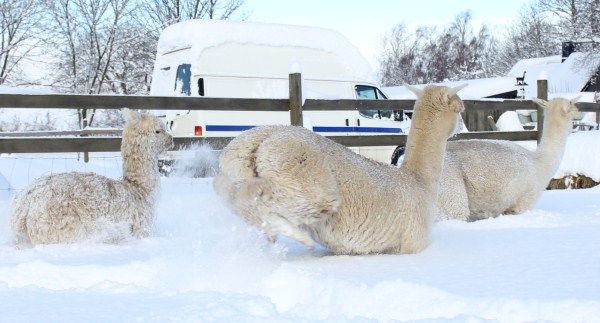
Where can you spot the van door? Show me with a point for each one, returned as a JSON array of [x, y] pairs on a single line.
[[329, 123], [373, 122]]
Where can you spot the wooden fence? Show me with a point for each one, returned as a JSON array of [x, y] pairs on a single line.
[[102, 141]]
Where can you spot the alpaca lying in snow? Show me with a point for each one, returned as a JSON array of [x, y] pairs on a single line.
[[486, 178], [288, 180], [72, 207]]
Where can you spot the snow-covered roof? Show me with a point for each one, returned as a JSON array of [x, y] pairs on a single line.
[[569, 76], [476, 89], [565, 79], [199, 35]]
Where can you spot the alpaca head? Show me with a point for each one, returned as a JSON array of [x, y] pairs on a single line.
[[440, 102], [559, 112], [144, 133]]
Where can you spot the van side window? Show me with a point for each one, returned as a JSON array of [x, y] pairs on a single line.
[[201, 86], [183, 79], [366, 92]]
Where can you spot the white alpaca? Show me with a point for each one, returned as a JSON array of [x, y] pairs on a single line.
[[291, 181], [486, 178], [73, 207]]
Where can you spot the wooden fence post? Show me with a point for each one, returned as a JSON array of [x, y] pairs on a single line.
[[296, 99], [542, 93], [86, 155]]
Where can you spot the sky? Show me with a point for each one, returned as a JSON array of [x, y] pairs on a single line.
[[365, 23]]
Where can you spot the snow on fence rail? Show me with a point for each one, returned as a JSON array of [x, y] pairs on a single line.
[[90, 142]]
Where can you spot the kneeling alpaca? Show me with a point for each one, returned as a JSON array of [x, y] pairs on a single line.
[[486, 178], [72, 207], [290, 181]]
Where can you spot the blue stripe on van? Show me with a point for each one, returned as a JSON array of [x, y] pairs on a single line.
[[357, 129], [315, 129], [227, 128]]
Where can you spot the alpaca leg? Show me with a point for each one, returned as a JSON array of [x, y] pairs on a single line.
[[252, 199], [415, 236], [525, 203], [414, 240], [454, 204], [19, 226], [260, 203], [520, 207]]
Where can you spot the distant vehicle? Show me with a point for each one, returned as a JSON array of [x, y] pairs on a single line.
[[215, 58]]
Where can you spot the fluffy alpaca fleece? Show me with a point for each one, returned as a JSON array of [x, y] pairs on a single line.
[[73, 207], [486, 178], [290, 181]]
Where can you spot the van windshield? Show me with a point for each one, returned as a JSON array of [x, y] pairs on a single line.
[[366, 92]]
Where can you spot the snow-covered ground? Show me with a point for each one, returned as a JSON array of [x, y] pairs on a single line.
[[204, 264]]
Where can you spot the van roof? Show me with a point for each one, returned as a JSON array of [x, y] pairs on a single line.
[[198, 35]]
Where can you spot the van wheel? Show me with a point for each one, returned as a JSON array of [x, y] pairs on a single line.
[[398, 152]]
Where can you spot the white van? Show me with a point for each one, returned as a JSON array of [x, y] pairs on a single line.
[[216, 58]]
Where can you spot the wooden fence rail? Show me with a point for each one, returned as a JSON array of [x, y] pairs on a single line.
[[44, 142]]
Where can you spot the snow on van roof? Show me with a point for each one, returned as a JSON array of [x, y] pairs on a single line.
[[569, 76], [199, 35]]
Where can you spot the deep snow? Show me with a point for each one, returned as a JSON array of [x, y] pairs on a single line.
[[205, 264]]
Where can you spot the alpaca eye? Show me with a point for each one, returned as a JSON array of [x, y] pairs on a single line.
[[157, 131]]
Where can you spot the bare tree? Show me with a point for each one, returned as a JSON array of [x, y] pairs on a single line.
[[544, 24], [428, 55], [398, 59], [577, 19], [88, 35], [532, 35], [162, 13], [594, 12], [19, 20]]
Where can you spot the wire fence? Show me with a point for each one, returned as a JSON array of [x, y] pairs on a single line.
[[17, 171], [20, 170]]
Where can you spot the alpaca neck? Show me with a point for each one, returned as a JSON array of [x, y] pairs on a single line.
[[141, 171], [552, 147], [425, 152]]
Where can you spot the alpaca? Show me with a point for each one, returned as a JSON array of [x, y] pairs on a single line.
[[74, 207], [486, 178], [288, 180]]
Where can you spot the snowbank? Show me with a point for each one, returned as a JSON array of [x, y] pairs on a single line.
[[204, 264], [509, 121], [582, 156]]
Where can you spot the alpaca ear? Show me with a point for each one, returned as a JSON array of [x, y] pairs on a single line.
[[540, 102], [417, 92], [455, 89], [572, 107], [130, 115]]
